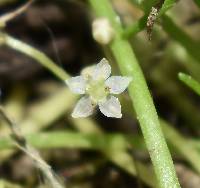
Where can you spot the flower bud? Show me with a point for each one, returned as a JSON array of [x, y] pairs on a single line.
[[102, 31]]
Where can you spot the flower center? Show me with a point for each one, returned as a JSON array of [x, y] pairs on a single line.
[[97, 90]]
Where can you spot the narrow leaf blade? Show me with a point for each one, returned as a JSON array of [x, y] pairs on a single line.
[[190, 82]]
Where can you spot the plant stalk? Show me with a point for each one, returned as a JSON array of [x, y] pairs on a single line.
[[141, 98]]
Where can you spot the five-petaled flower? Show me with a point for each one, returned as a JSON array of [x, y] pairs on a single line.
[[95, 83]]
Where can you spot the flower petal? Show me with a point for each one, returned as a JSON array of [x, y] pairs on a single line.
[[102, 70], [83, 108], [117, 84], [77, 84], [111, 107], [88, 71]]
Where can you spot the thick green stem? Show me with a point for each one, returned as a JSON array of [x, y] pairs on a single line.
[[141, 98]]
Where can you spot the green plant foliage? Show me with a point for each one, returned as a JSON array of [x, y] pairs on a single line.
[[190, 82], [44, 115]]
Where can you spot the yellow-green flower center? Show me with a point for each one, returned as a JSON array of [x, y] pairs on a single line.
[[97, 90]]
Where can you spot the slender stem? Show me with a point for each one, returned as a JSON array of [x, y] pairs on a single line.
[[177, 141], [141, 99], [141, 23], [35, 54], [136, 27], [111, 142], [190, 82], [181, 37], [43, 113], [40, 118], [113, 146]]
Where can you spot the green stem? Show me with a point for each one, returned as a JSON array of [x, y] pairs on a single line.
[[190, 82], [43, 114], [176, 95], [177, 142], [113, 146], [136, 27], [124, 161], [141, 98], [109, 143], [141, 23], [181, 37], [35, 54]]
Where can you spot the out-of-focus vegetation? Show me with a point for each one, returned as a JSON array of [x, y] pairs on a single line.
[[51, 40]]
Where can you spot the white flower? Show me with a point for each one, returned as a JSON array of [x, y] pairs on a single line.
[[95, 83]]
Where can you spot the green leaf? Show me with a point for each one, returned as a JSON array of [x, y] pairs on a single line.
[[197, 2], [190, 82]]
